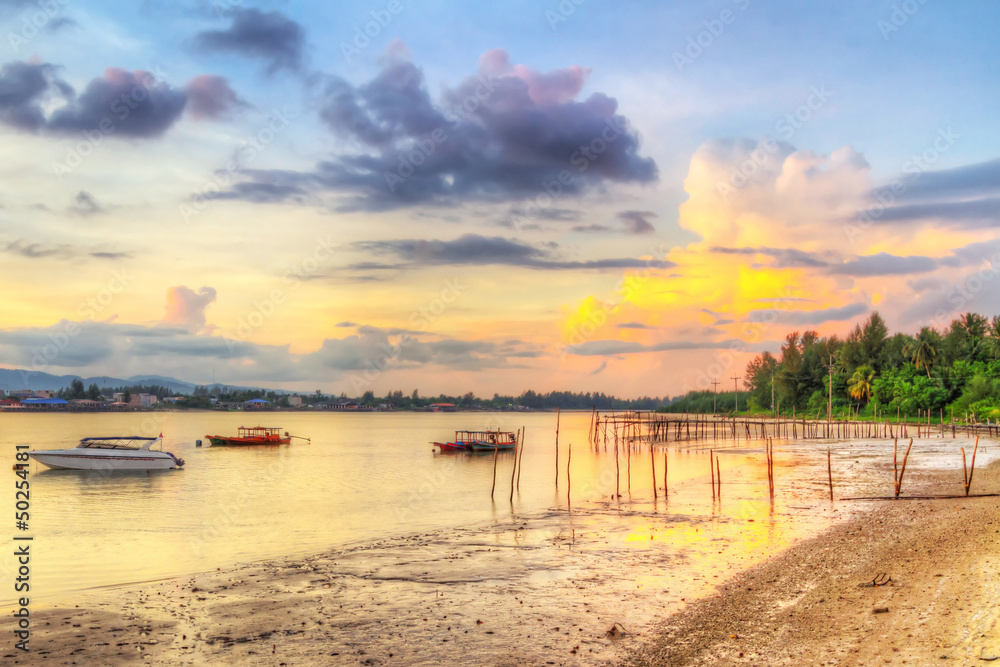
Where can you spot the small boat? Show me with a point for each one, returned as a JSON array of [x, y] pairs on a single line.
[[128, 452], [256, 435], [479, 441]]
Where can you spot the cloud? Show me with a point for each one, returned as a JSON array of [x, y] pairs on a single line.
[[268, 36], [118, 104], [634, 325], [502, 134], [974, 180], [28, 250], [85, 204], [785, 258], [884, 264], [134, 103], [637, 222], [345, 324], [598, 348], [185, 307], [807, 317], [482, 250], [24, 87], [209, 96]]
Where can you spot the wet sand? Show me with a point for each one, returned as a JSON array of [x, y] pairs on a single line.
[[535, 592], [817, 605]]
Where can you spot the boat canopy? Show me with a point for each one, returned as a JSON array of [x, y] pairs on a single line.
[[118, 442], [256, 431]]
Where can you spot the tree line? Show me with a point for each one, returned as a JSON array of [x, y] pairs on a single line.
[[954, 371]]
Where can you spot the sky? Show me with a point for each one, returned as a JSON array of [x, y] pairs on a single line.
[[630, 197]]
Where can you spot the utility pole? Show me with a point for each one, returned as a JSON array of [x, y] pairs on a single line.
[[715, 391], [737, 388]]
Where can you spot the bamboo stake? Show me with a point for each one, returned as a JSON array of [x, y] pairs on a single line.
[[718, 474], [558, 410], [899, 485], [495, 450], [711, 470], [666, 489], [520, 458], [513, 470], [895, 472], [829, 472], [652, 462], [972, 466], [569, 458], [965, 473], [618, 490]]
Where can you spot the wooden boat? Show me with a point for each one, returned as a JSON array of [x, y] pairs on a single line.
[[255, 435], [479, 441]]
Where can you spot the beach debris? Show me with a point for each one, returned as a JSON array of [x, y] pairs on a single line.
[[881, 580], [880, 610], [617, 631]]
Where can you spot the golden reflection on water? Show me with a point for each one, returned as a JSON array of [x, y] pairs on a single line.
[[367, 477]]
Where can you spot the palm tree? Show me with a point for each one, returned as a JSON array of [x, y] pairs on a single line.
[[923, 349], [860, 386], [994, 335]]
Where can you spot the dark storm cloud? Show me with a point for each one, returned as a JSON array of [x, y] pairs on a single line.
[[503, 134], [23, 88], [476, 249], [268, 36]]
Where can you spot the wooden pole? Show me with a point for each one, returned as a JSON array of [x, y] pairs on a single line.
[[666, 489], [558, 410], [718, 475], [569, 458], [829, 472], [495, 450], [618, 490], [520, 458], [899, 485], [513, 470], [895, 472], [652, 463], [972, 467], [965, 473], [711, 470]]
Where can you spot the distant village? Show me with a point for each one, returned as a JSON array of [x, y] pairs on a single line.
[[77, 398]]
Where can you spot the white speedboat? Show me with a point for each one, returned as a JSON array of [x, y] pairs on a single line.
[[117, 453]]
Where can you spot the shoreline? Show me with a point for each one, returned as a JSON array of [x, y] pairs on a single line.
[[528, 591], [816, 603]]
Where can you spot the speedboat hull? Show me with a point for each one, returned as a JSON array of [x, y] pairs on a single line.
[[474, 446], [112, 459]]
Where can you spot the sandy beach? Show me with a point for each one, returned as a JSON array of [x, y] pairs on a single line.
[[480, 602]]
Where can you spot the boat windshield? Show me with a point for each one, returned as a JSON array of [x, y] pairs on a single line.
[[118, 442]]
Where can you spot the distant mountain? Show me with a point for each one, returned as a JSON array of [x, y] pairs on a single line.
[[12, 380]]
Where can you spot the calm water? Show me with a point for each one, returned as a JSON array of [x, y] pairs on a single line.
[[367, 477]]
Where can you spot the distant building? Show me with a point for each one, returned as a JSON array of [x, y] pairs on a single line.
[[443, 407], [256, 404], [345, 404], [45, 403], [118, 397], [173, 400], [295, 401]]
